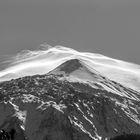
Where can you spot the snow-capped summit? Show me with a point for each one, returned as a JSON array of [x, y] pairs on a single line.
[[45, 60], [68, 66], [75, 69]]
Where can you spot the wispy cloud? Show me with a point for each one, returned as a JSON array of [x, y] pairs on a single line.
[[46, 58]]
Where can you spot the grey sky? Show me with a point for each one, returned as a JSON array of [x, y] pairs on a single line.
[[109, 27]]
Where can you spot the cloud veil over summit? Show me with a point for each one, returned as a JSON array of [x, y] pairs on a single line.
[[44, 60]]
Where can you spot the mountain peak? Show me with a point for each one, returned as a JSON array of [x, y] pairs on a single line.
[[76, 70], [42, 61], [68, 66], [71, 65]]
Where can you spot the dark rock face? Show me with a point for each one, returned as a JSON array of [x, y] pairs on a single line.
[[49, 107], [11, 134], [127, 137], [4, 135], [70, 66], [11, 130]]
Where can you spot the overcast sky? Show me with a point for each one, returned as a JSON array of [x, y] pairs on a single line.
[[109, 27]]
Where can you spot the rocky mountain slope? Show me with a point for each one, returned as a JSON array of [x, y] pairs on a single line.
[[71, 102]]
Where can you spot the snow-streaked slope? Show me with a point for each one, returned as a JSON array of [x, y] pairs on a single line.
[[75, 70], [47, 106], [43, 61]]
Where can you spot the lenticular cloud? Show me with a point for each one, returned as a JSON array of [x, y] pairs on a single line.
[[48, 58]]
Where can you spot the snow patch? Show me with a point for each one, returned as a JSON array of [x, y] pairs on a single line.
[[21, 115], [59, 107]]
